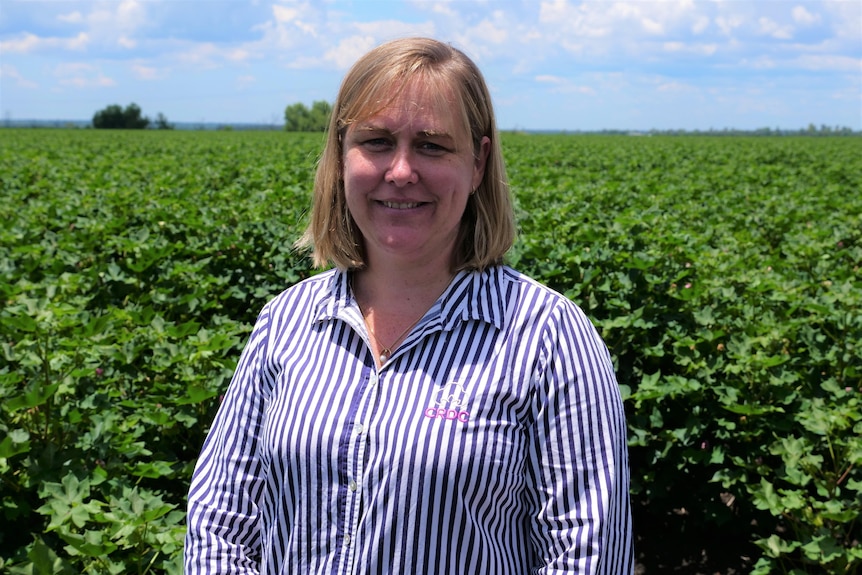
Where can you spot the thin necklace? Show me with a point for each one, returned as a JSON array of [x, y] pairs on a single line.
[[386, 351]]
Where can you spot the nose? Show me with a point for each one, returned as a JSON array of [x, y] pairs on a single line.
[[402, 170]]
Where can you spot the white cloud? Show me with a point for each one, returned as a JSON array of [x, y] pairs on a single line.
[[116, 22], [804, 17], [531, 51], [700, 24], [563, 85], [758, 63], [204, 54], [71, 18], [495, 36], [146, 72], [386, 29], [553, 10], [28, 42], [291, 25], [24, 43], [652, 26], [774, 29], [81, 75], [292, 16], [601, 28], [11, 72], [844, 18], [825, 62], [549, 79], [349, 50], [73, 68], [284, 14], [130, 14], [491, 32], [728, 24], [698, 49], [109, 23]]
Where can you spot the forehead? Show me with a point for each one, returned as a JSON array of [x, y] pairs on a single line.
[[419, 105]]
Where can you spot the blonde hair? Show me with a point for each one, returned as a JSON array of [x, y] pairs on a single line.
[[487, 227]]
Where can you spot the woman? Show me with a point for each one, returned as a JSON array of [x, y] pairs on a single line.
[[421, 408]]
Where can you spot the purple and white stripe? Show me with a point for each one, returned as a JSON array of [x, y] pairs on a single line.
[[492, 441]]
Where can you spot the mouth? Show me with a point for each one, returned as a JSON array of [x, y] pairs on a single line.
[[401, 205]]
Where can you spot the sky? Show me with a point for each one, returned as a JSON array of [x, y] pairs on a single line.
[[551, 65]]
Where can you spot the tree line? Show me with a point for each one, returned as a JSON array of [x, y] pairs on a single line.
[[297, 118], [115, 117], [300, 118]]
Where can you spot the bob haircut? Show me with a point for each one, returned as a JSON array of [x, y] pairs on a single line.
[[487, 227]]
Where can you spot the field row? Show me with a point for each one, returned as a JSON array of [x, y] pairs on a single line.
[[722, 272]]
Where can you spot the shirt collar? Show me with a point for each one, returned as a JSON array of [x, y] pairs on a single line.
[[472, 295]]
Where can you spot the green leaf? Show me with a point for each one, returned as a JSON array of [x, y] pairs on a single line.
[[766, 498], [66, 502], [44, 561], [15, 443], [20, 322], [775, 547], [751, 409], [91, 543], [37, 394], [823, 549]]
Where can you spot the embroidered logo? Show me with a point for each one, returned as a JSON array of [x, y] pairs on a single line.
[[450, 403]]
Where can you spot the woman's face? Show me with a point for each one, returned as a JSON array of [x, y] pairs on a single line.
[[408, 172]]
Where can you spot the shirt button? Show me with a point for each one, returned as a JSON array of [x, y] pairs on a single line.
[[347, 539], [353, 486], [359, 429]]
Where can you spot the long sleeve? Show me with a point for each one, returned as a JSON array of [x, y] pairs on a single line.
[[579, 459], [492, 441], [223, 534]]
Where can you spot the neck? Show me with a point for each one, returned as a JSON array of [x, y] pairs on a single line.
[[391, 280], [393, 301], [398, 291]]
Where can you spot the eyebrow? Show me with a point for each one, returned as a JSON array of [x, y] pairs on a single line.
[[363, 127]]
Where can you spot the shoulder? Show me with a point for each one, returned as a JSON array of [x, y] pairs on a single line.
[[318, 284], [546, 308], [294, 311], [532, 290], [307, 296]]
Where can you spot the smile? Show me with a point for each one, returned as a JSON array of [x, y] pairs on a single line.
[[401, 206]]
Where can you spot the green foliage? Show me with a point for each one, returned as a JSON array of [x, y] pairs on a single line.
[[116, 118], [299, 118], [723, 273], [128, 286], [724, 276]]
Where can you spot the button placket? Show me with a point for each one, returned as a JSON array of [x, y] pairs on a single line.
[[357, 449]]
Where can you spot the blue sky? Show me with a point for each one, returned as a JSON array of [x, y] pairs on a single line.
[[551, 65]]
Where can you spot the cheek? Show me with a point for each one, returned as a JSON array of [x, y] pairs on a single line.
[[358, 173]]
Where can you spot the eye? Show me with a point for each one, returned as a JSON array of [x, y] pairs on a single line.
[[376, 143], [433, 148]]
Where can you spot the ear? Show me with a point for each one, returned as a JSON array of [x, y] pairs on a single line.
[[480, 161]]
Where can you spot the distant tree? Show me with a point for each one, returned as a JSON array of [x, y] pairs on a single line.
[[111, 117], [296, 117], [321, 110], [299, 118], [162, 123], [117, 118]]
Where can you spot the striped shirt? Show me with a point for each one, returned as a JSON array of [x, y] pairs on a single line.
[[492, 441]]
